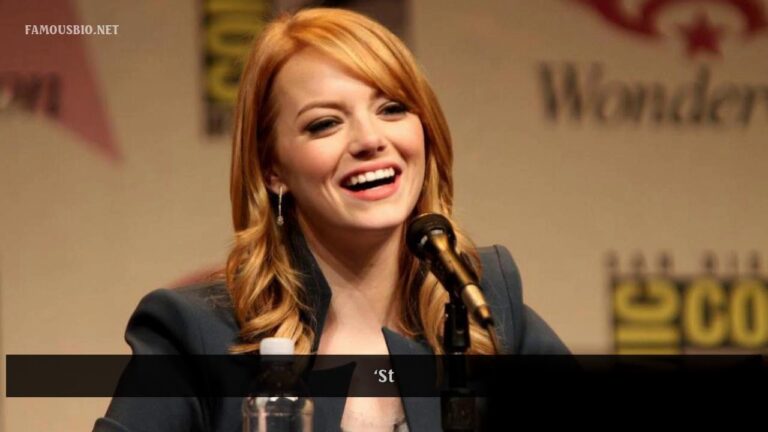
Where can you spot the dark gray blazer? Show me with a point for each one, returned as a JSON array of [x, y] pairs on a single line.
[[199, 319]]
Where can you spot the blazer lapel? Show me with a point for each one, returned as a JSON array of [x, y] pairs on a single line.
[[328, 410], [312, 279], [421, 413]]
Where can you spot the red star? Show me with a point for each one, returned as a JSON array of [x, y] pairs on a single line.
[[702, 36]]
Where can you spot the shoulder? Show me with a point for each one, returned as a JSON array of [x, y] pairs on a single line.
[[502, 287], [520, 328], [194, 319], [500, 269]]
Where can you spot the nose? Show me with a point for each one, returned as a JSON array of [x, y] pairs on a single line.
[[366, 138]]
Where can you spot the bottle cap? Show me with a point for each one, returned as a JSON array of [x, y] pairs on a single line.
[[276, 346]]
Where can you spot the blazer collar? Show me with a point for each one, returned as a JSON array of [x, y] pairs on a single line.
[[312, 279]]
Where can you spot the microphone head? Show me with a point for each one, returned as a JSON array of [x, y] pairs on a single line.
[[421, 227]]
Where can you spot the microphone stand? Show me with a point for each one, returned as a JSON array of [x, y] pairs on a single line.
[[430, 237], [457, 402]]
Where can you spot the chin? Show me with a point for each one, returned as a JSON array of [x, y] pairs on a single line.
[[380, 221]]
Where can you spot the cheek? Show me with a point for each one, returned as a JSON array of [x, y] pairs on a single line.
[[304, 162], [413, 142], [310, 163]]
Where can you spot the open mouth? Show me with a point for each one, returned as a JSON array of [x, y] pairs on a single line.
[[370, 179]]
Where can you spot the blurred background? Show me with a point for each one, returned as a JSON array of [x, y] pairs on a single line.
[[617, 148]]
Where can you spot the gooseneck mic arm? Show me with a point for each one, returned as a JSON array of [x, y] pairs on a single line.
[[431, 238]]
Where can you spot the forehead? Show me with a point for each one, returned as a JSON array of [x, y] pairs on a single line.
[[310, 75]]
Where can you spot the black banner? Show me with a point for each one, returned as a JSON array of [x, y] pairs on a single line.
[[405, 376]]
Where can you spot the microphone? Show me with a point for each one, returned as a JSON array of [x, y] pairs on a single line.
[[430, 237]]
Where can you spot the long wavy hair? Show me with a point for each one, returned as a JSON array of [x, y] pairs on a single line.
[[267, 297]]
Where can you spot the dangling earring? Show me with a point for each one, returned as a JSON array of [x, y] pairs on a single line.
[[280, 220]]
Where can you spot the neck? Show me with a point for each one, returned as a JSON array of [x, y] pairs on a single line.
[[362, 270]]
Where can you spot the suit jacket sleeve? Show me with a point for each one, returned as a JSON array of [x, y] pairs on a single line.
[[163, 323]]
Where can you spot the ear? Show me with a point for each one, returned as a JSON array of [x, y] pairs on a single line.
[[274, 181]]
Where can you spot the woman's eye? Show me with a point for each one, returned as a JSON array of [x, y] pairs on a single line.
[[320, 126], [393, 108]]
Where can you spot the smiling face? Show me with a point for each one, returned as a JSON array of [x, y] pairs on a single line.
[[351, 157]]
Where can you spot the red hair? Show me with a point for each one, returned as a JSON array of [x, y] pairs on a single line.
[[267, 296]]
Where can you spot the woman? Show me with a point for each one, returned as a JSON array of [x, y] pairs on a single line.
[[339, 141]]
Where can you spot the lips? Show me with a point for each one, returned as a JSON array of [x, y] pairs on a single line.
[[370, 176], [373, 182]]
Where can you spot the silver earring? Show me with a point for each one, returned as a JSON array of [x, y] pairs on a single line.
[[280, 220]]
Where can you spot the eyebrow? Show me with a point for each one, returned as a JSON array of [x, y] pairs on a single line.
[[335, 105], [320, 104]]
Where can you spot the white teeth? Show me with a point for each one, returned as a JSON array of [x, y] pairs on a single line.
[[370, 176]]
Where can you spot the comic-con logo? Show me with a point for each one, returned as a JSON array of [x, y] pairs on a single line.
[[700, 34]]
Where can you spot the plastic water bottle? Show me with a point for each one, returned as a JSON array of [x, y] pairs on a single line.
[[279, 408]]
